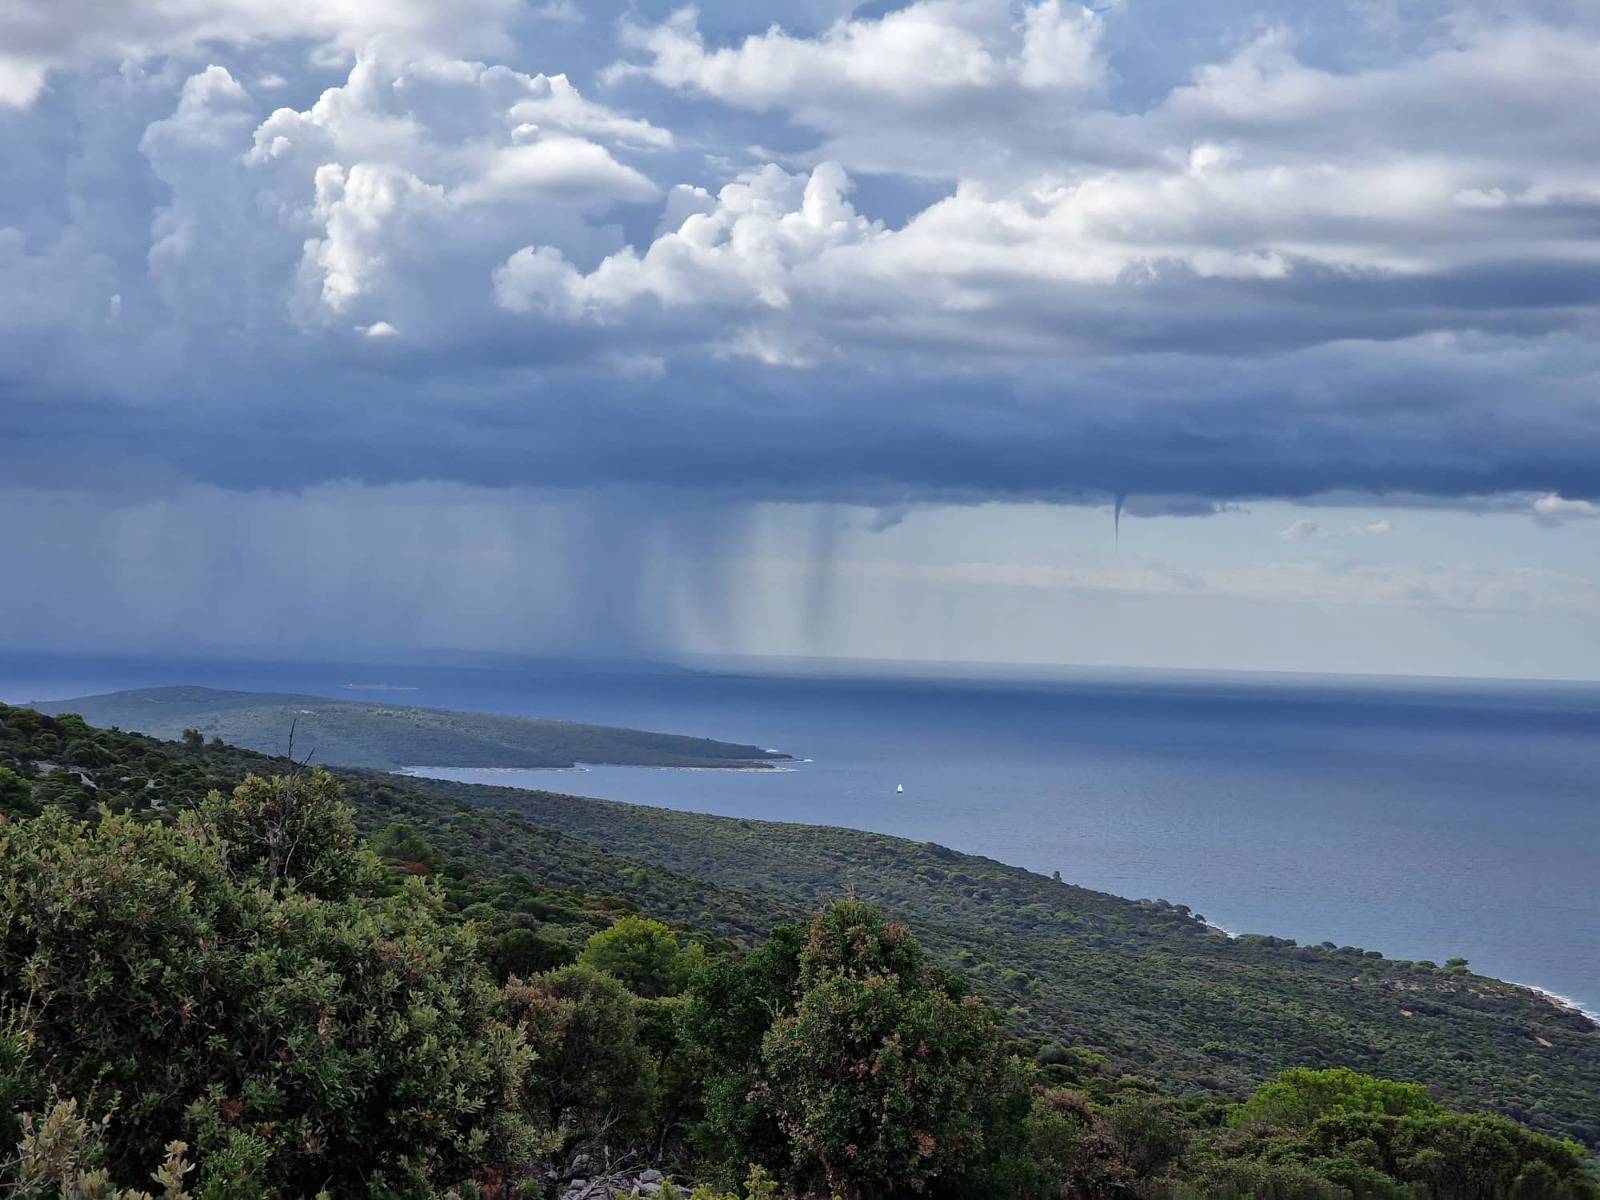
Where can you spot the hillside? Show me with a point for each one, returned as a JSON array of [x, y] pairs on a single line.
[[367, 734], [1143, 984], [1156, 991]]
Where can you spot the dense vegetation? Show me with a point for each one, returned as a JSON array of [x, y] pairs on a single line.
[[209, 982], [363, 734], [1144, 983]]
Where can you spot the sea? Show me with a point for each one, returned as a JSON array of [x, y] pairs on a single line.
[[1424, 818]]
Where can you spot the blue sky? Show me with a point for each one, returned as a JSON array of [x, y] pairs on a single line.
[[844, 330]]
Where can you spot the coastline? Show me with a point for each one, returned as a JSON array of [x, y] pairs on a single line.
[[1556, 1000], [782, 766], [1559, 1000]]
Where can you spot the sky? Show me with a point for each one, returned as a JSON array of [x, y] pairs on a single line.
[[1248, 334]]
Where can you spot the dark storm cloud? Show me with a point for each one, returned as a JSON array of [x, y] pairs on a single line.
[[1449, 419]]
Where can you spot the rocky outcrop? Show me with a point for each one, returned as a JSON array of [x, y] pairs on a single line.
[[608, 1187]]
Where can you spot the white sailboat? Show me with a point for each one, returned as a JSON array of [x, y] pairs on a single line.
[[898, 788]]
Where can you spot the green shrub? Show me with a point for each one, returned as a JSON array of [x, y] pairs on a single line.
[[884, 1078], [16, 795], [1068, 1152], [644, 954], [1375, 1139], [232, 981], [1298, 1097], [726, 1014], [1258, 1181], [593, 1072]]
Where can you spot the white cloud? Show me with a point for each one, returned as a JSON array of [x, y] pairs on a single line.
[[387, 201], [1301, 530], [1261, 166], [1375, 528], [464, 125], [1553, 510], [746, 254], [538, 279], [1255, 203], [923, 56], [1059, 47], [1028, 260], [565, 166], [38, 36], [897, 89], [358, 210]]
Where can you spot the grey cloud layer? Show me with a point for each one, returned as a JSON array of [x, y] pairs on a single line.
[[1281, 271]]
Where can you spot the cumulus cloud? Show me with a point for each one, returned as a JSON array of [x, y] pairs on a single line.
[[1257, 184], [38, 36], [1552, 510], [1251, 210], [928, 55], [388, 199], [912, 90], [1283, 272], [752, 254]]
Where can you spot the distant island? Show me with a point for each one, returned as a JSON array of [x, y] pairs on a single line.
[[356, 733]]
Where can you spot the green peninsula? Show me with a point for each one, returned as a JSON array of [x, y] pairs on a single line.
[[353, 733]]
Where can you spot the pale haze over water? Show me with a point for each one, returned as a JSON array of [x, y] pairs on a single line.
[[1424, 819]]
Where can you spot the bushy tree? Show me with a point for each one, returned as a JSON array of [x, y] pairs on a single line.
[[401, 844], [1255, 1180], [886, 1079], [727, 1012], [644, 954], [287, 832], [1351, 1135], [234, 981], [16, 796], [523, 953], [1442, 1155], [1298, 1097], [1067, 1152], [593, 1083], [1148, 1131]]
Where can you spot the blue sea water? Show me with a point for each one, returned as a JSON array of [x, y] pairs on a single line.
[[1425, 819]]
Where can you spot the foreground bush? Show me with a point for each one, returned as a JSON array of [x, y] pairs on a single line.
[[593, 1086], [240, 981], [61, 1157], [868, 1072]]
